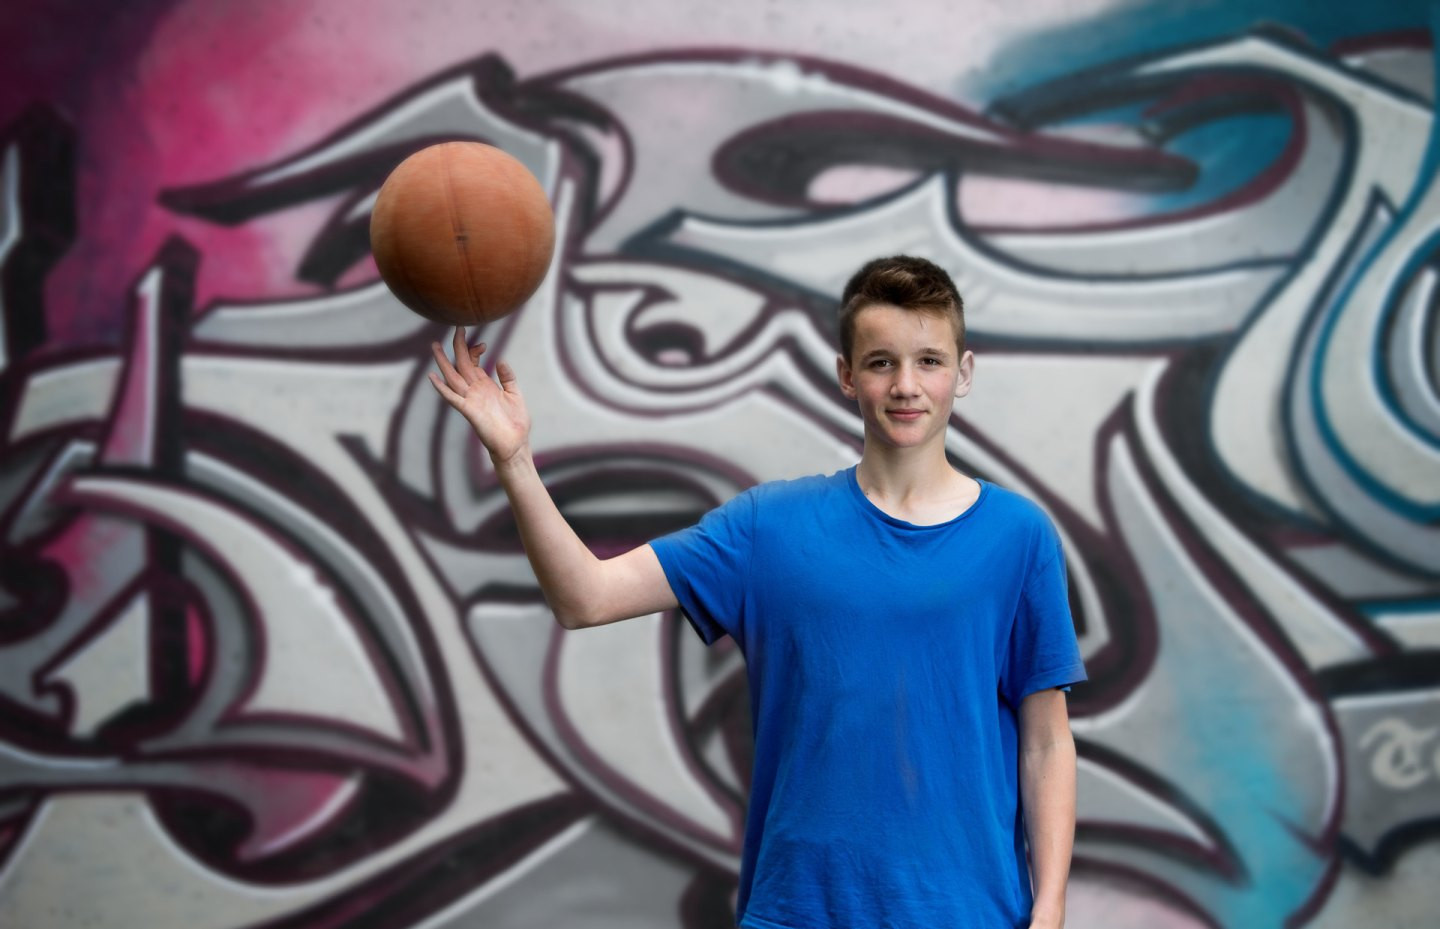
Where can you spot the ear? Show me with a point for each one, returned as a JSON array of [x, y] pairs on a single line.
[[967, 374], [845, 376]]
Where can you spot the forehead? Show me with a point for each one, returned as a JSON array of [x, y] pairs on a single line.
[[883, 326]]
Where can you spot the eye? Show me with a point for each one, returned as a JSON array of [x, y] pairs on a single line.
[[879, 362]]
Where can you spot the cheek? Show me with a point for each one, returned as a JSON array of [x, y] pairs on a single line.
[[876, 387]]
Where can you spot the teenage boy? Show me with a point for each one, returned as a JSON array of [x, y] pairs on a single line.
[[906, 630]]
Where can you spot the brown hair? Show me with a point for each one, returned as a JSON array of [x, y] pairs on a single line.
[[905, 282]]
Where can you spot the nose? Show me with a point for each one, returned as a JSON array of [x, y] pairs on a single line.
[[905, 383]]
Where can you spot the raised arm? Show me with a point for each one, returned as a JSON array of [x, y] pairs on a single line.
[[582, 590], [1047, 796]]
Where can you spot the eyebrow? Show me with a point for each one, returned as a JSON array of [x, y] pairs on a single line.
[[881, 352]]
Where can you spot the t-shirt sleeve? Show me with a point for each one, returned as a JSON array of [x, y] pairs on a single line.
[[1043, 651], [708, 564]]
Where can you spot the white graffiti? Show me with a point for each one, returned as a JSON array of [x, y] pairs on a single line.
[[1399, 761]]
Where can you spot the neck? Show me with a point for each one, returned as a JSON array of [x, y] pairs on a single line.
[[900, 474]]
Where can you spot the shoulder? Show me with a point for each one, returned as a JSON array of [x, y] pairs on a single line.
[[1013, 505], [813, 489], [775, 498], [781, 504], [1021, 520], [810, 484]]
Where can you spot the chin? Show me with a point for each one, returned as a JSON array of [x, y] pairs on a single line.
[[905, 441]]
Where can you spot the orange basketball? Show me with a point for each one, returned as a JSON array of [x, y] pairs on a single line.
[[462, 233]]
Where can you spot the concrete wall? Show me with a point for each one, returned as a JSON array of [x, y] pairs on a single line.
[[269, 652]]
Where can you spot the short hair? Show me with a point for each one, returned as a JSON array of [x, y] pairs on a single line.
[[906, 282]]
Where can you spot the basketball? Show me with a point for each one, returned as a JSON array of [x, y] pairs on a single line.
[[462, 233]]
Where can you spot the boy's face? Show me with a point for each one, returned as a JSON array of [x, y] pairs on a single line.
[[904, 372]]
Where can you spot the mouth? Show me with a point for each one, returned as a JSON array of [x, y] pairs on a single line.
[[905, 416]]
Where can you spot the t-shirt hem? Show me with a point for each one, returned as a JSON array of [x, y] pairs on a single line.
[[1059, 677], [751, 921], [664, 554], [705, 634]]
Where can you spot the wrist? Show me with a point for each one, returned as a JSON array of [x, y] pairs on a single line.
[[1043, 916], [519, 460]]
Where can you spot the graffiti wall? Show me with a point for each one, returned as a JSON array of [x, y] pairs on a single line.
[[270, 653]]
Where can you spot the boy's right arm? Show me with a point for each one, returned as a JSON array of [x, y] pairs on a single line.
[[582, 590]]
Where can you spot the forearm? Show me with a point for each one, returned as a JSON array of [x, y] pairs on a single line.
[[570, 575], [1047, 794]]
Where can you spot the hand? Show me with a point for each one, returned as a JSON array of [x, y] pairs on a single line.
[[495, 410]]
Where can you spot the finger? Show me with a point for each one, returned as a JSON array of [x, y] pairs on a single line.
[[508, 382], [452, 377], [464, 361], [444, 390], [476, 370]]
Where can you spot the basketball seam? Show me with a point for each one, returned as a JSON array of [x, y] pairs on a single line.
[[462, 242]]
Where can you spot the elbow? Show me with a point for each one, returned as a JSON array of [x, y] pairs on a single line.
[[577, 615], [570, 611], [1059, 739], [569, 619], [575, 595], [1046, 755]]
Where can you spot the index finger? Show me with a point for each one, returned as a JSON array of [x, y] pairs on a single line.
[[447, 370], [464, 362]]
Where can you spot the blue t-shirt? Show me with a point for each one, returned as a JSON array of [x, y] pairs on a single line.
[[886, 662]]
